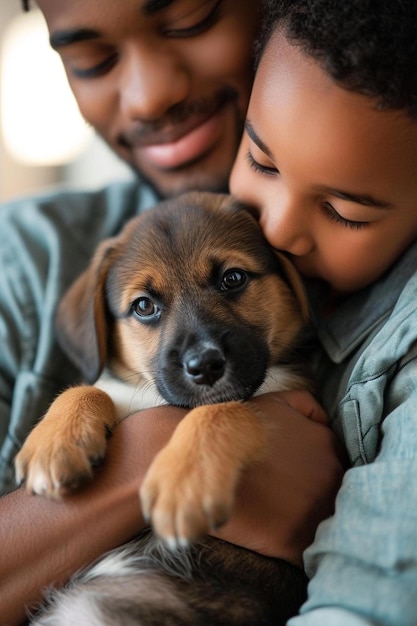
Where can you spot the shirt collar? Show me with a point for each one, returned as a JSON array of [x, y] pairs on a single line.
[[343, 330]]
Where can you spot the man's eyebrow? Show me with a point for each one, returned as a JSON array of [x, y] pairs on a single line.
[[358, 198], [252, 134], [61, 38]]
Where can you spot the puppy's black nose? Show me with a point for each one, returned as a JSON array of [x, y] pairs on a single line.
[[205, 367]]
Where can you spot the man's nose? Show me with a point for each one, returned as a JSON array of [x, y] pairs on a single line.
[[153, 81]]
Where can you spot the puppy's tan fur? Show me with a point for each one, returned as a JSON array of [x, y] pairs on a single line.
[[180, 256]]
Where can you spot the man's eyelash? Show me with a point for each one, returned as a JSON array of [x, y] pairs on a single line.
[[98, 70], [258, 168], [108, 63], [200, 27], [336, 217]]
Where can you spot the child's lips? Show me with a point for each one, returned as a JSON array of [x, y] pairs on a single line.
[[186, 148]]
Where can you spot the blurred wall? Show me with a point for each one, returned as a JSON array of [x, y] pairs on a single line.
[[95, 167]]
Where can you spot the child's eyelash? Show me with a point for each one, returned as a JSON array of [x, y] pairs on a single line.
[[336, 217], [258, 168]]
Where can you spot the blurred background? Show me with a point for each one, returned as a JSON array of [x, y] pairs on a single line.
[[44, 142]]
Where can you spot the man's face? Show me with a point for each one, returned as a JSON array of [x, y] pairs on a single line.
[[166, 83]]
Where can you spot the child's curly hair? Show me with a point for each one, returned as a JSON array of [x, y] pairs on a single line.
[[369, 46]]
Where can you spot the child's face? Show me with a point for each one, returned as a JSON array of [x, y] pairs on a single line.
[[335, 181]]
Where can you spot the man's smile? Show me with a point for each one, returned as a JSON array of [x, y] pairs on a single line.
[[178, 142]]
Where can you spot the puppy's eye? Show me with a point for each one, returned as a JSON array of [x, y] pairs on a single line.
[[145, 309], [233, 279]]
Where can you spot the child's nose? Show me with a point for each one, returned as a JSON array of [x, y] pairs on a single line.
[[286, 227], [152, 82]]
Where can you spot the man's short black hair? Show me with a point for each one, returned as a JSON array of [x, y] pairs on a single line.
[[369, 46]]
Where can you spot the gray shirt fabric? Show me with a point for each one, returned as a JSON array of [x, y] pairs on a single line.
[[45, 242]]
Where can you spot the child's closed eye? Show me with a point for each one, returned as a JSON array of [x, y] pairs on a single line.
[[259, 168], [336, 217]]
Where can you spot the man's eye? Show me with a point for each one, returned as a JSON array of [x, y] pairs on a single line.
[[258, 168], [197, 22], [97, 70]]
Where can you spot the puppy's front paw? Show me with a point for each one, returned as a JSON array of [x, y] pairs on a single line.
[[62, 450], [185, 496], [54, 467], [189, 488]]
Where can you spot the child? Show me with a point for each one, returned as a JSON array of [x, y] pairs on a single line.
[[329, 158]]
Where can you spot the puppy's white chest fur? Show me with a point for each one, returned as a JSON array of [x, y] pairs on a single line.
[[129, 398]]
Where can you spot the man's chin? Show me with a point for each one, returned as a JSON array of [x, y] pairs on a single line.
[[215, 186], [170, 184]]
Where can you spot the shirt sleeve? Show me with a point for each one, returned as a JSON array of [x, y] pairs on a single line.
[[363, 563], [27, 302], [45, 243]]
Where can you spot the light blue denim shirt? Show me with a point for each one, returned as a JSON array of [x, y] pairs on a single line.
[[45, 243], [363, 563]]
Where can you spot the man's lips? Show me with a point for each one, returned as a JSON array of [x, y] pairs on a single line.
[[188, 147], [184, 144]]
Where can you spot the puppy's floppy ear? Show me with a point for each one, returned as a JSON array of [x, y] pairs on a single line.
[[296, 283], [82, 318]]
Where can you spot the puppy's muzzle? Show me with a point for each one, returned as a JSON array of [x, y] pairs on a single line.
[[204, 367], [214, 363]]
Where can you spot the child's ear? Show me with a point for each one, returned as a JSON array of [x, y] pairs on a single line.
[[82, 317], [296, 283]]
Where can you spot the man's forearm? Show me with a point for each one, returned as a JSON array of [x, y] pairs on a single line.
[[43, 542], [280, 501]]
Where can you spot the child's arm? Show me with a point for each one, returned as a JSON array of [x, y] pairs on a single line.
[[364, 561]]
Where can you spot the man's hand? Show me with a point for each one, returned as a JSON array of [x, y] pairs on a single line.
[[282, 498]]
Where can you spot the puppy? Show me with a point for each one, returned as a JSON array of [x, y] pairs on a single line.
[[188, 306]]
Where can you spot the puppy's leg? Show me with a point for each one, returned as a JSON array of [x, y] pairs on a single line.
[[190, 486], [63, 448]]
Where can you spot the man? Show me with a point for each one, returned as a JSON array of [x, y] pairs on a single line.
[[166, 84]]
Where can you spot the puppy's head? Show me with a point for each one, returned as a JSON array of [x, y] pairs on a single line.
[[189, 295]]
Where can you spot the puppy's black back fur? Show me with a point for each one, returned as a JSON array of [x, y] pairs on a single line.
[[212, 583]]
